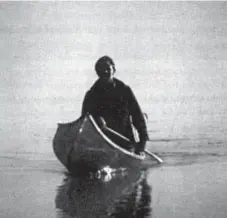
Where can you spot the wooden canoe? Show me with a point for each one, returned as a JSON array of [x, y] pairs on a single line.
[[82, 146]]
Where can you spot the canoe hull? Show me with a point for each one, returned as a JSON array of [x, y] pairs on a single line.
[[82, 146]]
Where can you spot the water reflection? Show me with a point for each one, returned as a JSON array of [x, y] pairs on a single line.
[[122, 195]]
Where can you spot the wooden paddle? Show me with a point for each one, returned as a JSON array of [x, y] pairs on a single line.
[[158, 159]]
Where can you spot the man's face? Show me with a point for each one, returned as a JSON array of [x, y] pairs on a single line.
[[106, 73]]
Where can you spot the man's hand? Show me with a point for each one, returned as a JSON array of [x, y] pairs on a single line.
[[101, 122], [140, 147]]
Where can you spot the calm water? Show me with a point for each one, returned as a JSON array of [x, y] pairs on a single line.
[[173, 55]]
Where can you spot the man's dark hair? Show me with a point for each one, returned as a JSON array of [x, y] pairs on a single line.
[[102, 62]]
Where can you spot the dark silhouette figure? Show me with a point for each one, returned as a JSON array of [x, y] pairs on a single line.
[[112, 100]]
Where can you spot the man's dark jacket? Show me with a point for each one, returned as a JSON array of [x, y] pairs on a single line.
[[118, 106]]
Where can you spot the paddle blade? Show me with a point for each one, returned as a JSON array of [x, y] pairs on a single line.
[[158, 159]]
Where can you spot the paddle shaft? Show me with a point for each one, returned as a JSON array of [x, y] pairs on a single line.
[[158, 159]]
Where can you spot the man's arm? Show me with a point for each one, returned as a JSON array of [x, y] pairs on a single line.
[[137, 118]]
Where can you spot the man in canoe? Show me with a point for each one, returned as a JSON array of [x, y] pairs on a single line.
[[111, 100]]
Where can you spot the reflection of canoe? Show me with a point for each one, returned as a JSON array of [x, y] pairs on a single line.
[[122, 196], [82, 145]]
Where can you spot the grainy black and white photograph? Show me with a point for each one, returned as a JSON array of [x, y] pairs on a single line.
[[113, 109]]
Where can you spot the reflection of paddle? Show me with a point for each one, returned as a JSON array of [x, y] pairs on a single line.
[[104, 126]]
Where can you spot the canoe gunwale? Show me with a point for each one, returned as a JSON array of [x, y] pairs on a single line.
[[110, 142]]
